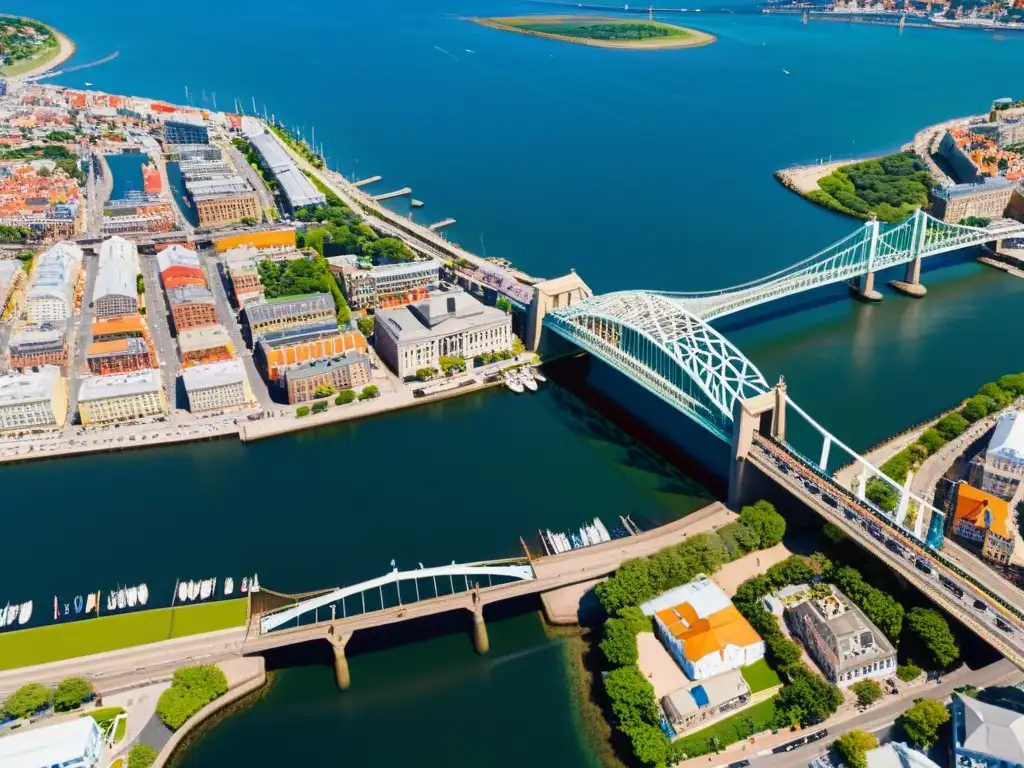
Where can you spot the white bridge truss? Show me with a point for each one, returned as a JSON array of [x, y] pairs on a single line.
[[873, 247], [456, 575]]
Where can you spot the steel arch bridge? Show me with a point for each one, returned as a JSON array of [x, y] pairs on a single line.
[[873, 247]]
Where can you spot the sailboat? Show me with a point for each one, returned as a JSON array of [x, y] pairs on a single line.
[[133, 596], [204, 589], [121, 598], [182, 591], [229, 585], [143, 594], [193, 590], [111, 601], [26, 612]]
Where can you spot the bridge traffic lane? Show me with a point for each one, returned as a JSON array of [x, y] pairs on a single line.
[[797, 478]]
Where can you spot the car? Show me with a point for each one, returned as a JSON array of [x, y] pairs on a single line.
[[1003, 625], [980, 605], [923, 566], [739, 764]]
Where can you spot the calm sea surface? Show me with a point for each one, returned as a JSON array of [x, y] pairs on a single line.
[[639, 170]]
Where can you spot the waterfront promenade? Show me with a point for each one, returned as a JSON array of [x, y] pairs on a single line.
[[153, 662]]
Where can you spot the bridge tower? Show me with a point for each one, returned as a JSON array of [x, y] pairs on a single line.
[[911, 283], [764, 413], [863, 287], [552, 294]]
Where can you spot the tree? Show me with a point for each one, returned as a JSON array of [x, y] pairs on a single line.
[[302, 410], [345, 397], [922, 721], [141, 756], [619, 642], [933, 631], [426, 374], [191, 689], [140, 284], [324, 390], [365, 325], [632, 696], [176, 705], [247, 221], [26, 700], [517, 346], [71, 693], [388, 250], [834, 533], [867, 692], [951, 425], [319, 407], [853, 747], [503, 304], [369, 391], [932, 440], [907, 672], [768, 524], [809, 695], [974, 409]]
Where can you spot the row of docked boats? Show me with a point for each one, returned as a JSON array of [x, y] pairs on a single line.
[[589, 534], [521, 379], [117, 599], [18, 613], [204, 589]]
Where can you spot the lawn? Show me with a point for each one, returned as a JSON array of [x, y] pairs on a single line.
[[739, 726], [122, 726], [45, 56], [760, 676], [109, 633]]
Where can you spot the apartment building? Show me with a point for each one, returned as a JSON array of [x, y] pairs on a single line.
[[115, 292], [843, 642], [983, 520], [275, 354], [121, 397], [1000, 468], [124, 327], [220, 386], [180, 266], [702, 630], [34, 346], [120, 356], [305, 311], [389, 285], [705, 700], [206, 344], [337, 373], [51, 290], [242, 266], [33, 400], [191, 307], [987, 199]]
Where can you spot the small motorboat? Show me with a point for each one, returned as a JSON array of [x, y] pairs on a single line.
[[254, 586], [111, 601], [143, 594], [132, 596], [79, 604], [245, 584], [537, 374], [229, 585], [512, 382], [193, 590], [91, 602], [12, 614], [528, 381], [182, 591], [605, 536], [26, 612], [204, 589], [786, 72], [122, 599]]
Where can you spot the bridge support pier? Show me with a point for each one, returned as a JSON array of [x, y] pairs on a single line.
[[341, 672], [863, 288], [911, 284], [481, 642], [766, 414]]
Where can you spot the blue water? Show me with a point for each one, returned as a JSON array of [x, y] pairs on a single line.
[[638, 169], [126, 172]]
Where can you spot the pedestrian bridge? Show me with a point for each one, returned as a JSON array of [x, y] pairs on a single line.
[[663, 341]]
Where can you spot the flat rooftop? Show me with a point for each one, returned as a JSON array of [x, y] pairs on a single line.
[[118, 385]]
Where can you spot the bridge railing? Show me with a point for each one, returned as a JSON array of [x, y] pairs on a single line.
[[866, 507]]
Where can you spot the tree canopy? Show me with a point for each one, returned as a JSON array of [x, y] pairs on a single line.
[[890, 188], [71, 693], [881, 608], [191, 689], [26, 700], [762, 519], [932, 630], [867, 692], [853, 747], [141, 756], [922, 721]]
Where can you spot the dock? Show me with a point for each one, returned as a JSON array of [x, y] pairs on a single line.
[[442, 223], [396, 193], [364, 182]]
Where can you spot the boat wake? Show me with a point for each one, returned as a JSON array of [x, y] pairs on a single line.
[[446, 53]]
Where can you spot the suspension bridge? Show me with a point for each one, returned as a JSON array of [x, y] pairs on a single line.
[[664, 342]]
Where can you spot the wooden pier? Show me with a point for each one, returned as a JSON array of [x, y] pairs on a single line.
[[396, 193], [442, 223], [364, 182]]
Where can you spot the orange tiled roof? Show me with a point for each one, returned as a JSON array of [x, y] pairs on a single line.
[[971, 505], [314, 350], [108, 347], [710, 634], [122, 324]]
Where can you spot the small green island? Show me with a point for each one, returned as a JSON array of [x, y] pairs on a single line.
[[27, 45], [601, 31]]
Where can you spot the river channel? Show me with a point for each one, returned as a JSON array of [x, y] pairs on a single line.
[[638, 169]]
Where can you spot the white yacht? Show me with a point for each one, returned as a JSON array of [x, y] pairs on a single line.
[[182, 591], [143, 594], [512, 382], [527, 380]]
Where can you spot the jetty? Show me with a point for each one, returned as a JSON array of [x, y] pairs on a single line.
[[442, 223], [364, 182], [396, 193]]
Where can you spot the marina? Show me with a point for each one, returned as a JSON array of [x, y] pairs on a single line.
[[587, 535]]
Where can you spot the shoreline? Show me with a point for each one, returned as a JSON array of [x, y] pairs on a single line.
[[693, 38], [66, 48]]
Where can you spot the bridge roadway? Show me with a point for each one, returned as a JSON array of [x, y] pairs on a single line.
[[125, 668], [1002, 602]]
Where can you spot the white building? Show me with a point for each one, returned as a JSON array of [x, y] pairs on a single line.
[[449, 323], [217, 386], [51, 290], [121, 397], [75, 743], [703, 630], [1000, 469], [33, 400], [115, 291], [177, 256], [896, 754]]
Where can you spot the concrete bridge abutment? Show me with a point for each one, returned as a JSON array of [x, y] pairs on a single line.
[[341, 672], [863, 288], [911, 284], [765, 414], [481, 641], [548, 295]]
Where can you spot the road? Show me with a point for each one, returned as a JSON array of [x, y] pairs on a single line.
[[974, 607], [237, 159], [159, 320], [216, 278], [882, 714], [79, 337]]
